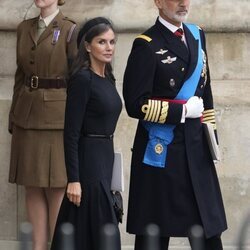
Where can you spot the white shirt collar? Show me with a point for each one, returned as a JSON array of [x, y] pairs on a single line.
[[173, 28], [49, 18], [168, 25]]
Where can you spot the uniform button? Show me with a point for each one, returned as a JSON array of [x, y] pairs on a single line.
[[33, 47], [182, 69], [32, 62], [202, 86], [172, 82]]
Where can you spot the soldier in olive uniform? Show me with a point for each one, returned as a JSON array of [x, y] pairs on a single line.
[[45, 47], [167, 87]]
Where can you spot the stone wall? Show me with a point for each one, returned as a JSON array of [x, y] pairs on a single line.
[[228, 45]]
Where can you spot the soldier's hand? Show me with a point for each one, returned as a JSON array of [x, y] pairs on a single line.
[[74, 192], [194, 107]]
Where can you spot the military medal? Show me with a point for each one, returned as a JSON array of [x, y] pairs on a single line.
[[204, 69], [161, 52], [158, 148], [56, 35], [169, 60]]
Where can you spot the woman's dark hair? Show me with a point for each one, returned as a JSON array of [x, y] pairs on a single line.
[[89, 30]]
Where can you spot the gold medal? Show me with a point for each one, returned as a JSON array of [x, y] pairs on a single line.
[[158, 148]]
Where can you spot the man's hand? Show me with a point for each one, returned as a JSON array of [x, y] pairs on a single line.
[[194, 107], [74, 192]]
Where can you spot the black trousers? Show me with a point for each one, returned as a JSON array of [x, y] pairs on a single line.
[[213, 243]]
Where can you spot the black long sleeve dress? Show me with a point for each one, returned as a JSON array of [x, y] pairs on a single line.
[[92, 108]]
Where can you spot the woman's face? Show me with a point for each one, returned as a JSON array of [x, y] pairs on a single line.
[[45, 3], [102, 47]]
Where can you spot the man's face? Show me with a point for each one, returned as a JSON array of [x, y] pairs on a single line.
[[173, 11]]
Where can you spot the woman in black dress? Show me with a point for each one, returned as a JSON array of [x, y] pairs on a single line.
[[92, 110]]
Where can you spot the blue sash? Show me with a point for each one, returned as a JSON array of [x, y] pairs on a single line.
[[160, 135]]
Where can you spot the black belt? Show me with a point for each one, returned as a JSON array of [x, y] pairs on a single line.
[[35, 82], [99, 136]]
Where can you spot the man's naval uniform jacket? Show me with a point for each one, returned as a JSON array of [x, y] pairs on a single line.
[[186, 191]]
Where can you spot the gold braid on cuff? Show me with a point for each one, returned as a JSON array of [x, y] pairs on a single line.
[[209, 117], [155, 111]]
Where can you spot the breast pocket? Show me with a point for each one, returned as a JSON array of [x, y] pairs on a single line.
[[54, 105]]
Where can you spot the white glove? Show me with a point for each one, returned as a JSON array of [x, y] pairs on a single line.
[[194, 107]]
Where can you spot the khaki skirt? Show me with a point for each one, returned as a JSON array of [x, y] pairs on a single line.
[[37, 158]]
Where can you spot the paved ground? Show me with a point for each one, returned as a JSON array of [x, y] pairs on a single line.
[[14, 245]]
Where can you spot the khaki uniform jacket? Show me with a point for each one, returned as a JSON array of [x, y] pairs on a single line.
[[49, 57]]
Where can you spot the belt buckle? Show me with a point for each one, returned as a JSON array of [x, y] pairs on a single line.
[[34, 82]]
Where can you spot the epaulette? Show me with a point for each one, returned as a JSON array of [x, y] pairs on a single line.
[[68, 19], [147, 38]]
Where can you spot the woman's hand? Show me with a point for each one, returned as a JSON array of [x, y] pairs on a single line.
[[74, 192]]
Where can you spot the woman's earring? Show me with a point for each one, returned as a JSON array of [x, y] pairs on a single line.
[[87, 47]]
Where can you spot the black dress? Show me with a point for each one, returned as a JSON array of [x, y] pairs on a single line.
[[92, 108]]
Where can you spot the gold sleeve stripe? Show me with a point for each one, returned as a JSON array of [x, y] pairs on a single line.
[[158, 111], [164, 112], [208, 114], [147, 38], [208, 111], [146, 109], [212, 120], [151, 110], [209, 117], [155, 111]]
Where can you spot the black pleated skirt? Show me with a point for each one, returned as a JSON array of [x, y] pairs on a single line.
[[96, 209]]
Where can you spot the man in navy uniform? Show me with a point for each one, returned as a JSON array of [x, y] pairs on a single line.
[[167, 88]]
